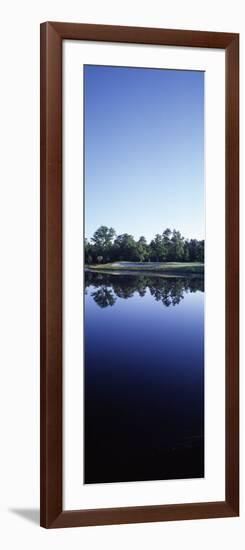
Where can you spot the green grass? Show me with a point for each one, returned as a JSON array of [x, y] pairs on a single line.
[[168, 268]]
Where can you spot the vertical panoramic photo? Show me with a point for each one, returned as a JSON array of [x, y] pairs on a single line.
[[144, 274]]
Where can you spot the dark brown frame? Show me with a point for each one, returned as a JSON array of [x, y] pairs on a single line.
[[52, 35]]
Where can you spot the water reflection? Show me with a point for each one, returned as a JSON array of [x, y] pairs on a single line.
[[106, 288], [103, 297], [143, 378]]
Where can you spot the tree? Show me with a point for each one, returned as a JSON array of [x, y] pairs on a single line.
[[193, 250], [157, 250], [177, 247], [103, 236], [200, 251], [102, 241], [88, 252], [166, 242], [142, 249], [126, 247], [186, 251]]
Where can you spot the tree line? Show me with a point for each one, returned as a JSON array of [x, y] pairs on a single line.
[[170, 246]]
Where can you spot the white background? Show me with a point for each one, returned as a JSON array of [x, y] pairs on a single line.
[[19, 288]]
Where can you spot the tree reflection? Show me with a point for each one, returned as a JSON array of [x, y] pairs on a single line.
[[106, 288], [104, 297]]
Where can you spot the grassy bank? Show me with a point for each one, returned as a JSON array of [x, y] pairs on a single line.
[[168, 268]]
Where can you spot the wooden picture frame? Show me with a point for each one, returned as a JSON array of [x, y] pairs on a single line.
[[52, 35]]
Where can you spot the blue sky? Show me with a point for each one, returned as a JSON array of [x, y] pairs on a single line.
[[144, 150]]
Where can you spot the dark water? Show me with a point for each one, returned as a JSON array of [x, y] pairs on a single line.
[[144, 378]]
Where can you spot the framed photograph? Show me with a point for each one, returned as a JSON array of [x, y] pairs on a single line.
[[139, 275]]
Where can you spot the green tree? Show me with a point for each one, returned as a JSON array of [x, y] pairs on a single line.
[[88, 252], [200, 251], [157, 250], [103, 236], [142, 249], [193, 250], [102, 241], [166, 241], [177, 246], [186, 251], [126, 247]]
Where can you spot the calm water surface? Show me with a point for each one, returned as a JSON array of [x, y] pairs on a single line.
[[144, 378]]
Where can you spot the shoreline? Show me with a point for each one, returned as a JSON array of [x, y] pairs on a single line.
[[169, 270]]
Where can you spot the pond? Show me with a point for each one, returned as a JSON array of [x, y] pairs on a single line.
[[144, 378]]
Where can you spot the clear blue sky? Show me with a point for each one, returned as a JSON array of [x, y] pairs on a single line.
[[144, 150]]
